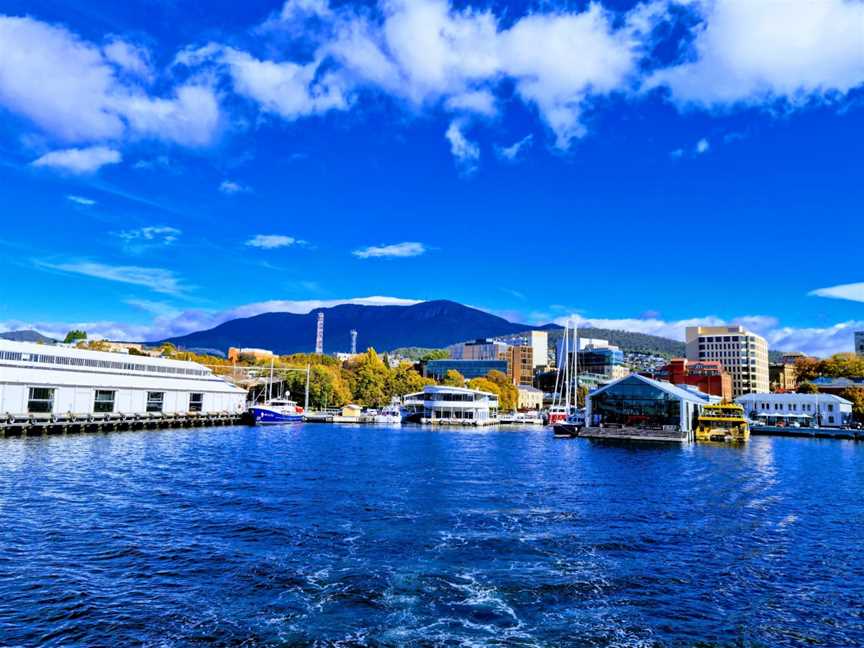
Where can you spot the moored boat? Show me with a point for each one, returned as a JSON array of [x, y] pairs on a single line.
[[276, 411], [723, 422], [390, 415]]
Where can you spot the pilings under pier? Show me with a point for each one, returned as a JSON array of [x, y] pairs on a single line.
[[37, 425]]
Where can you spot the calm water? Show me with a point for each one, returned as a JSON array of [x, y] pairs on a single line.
[[362, 536]]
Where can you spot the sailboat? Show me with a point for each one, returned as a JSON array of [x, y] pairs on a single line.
[[565, 417], [275, 411]]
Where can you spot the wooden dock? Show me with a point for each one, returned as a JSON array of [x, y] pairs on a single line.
[[40, 424]]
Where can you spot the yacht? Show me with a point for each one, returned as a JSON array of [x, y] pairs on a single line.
[[276, 411], [390, 415]]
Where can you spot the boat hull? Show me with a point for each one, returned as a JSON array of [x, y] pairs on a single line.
[[566, 430], [265, 416]]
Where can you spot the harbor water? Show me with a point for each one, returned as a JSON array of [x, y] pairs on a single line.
[[329, 535]]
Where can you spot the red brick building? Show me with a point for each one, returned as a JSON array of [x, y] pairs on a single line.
[[708, 376]]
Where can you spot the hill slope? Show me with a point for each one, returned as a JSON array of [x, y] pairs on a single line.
[[427, 324], [26, 336]]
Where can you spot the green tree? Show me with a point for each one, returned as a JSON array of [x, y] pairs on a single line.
[[453, 379], [843, 365], [75, 335], [856, 395], [435, 354], [807, 388], [327, 387], [808, 368]]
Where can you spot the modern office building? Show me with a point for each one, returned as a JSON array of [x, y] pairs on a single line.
[[50, 381], [743, 354], [481, 349], [538, 341], [859, 343], [596, 358], [437, 369], [805, 410], [451, 405], [708, 376]]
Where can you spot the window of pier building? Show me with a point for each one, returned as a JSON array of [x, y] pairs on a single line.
[[155, 401], [104, 401], [196, 402], [638, 404], [40, 400]]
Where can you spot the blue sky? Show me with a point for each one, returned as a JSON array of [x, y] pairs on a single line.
[[167, 165]]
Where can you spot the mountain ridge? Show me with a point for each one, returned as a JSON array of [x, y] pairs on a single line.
[[430, 324]]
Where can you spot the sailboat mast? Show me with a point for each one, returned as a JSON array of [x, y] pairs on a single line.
[[270, 382], [575, 364]]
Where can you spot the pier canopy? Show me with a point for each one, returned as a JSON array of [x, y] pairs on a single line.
[[640, 402]]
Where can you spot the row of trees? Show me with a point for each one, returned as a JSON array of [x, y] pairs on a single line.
[[840, 365]]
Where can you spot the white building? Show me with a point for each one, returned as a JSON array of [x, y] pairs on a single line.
[[43, 380], [859, 343], [530, 398], [743, 354], [824, 410], [452, 405]]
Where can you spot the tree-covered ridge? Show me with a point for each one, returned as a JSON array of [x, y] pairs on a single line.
[[629, 341]]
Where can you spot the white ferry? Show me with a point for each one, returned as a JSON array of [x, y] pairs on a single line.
[[39, 381]]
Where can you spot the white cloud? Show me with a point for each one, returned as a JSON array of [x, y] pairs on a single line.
[[149, 236], [755, 52], [131, 58], [79, 92], [511, 153], [169, 321], [396, 250], [230, 187], [466, 152], [852, 292], [702, 146], [158, 280], [818, 341], [81, 200], [79, 160], [270, 241]]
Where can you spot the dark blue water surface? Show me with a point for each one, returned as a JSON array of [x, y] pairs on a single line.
[[361, 536]]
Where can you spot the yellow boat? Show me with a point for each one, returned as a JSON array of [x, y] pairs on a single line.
[[722, 422]]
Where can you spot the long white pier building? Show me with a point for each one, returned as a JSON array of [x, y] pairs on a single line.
[[39, 382]]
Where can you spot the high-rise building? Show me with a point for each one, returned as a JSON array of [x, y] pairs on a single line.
[[743, 354], [481, 349], [859, 343]]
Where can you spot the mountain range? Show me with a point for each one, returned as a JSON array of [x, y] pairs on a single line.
[[431, 324]]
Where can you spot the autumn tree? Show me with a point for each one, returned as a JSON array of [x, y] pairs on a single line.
[[508, 395], [369, 377], [856, 395], [405, 380], [453, 379], [807, 388]]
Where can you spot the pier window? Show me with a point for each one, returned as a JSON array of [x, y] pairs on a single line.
[[104, 401], [40, 400], [196, 402], [155, 401]]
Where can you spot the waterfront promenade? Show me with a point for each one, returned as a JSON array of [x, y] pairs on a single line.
[[394, 537]]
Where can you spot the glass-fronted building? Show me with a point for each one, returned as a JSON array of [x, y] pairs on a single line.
[[643, 403], [437, 369]]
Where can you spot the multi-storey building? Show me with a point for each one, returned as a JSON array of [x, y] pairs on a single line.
[[520, 365], [481, 349], [743, 354], [708, 376]]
